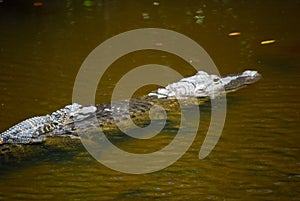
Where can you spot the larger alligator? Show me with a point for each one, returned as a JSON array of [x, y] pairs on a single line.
[[61, 122]]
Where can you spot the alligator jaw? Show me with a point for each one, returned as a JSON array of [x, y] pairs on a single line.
[[234, 82]]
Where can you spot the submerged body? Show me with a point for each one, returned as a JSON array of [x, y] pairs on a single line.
[[201, 85]]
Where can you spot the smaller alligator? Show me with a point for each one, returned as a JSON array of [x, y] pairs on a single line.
[[37, 129]]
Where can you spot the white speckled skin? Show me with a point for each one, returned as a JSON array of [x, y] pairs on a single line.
[[204, 85]]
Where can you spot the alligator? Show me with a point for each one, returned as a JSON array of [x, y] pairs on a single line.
[[61, 122]]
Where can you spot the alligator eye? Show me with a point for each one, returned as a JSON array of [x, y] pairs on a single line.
[[216, 79]]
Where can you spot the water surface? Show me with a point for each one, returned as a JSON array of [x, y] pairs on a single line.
[[257, 157]]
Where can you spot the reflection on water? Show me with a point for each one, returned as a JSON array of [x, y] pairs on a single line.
[[43, 45]]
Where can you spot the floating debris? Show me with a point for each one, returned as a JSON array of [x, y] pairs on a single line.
[[37, 4], [236, 33], [88, 3], [265, 42], [146, 16], [155, 3], [199, 11], [199, 17]]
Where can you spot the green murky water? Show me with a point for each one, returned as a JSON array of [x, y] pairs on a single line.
[[257, 158]]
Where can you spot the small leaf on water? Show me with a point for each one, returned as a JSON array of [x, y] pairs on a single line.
[[265, 42]]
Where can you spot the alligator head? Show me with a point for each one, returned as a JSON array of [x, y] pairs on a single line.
[[204, 85], [233, 82]]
